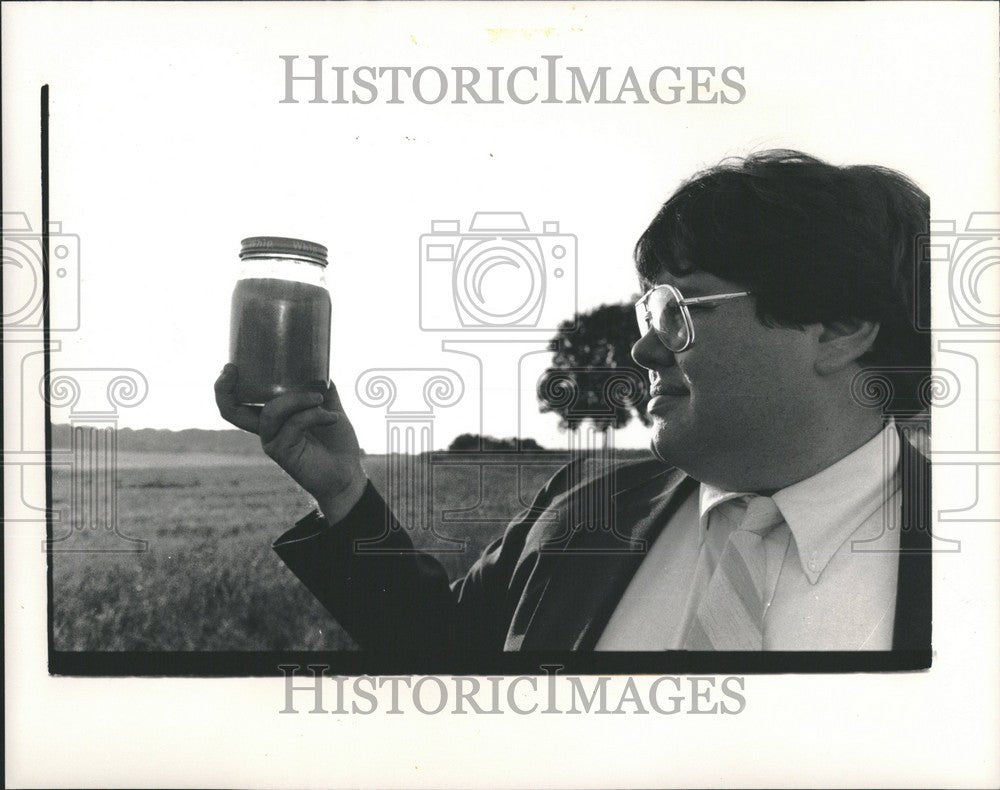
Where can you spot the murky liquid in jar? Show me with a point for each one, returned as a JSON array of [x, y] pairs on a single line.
[[279, 338]]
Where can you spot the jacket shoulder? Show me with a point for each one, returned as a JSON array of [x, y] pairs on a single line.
[[614, 475]]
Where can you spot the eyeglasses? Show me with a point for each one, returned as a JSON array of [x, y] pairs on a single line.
[[667, 313]]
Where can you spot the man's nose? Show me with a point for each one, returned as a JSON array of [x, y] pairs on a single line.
[[649, 352]]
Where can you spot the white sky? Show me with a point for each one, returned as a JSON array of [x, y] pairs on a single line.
[[169, 145]]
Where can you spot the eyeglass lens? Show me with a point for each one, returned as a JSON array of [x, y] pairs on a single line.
[[663, 313]]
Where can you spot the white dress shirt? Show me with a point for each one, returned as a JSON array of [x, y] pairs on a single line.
[[831, 566]]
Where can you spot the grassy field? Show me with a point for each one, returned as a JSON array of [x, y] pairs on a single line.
[[209, 579]]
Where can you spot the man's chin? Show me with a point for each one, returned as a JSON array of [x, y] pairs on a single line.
[[663, 444], [675, 441]]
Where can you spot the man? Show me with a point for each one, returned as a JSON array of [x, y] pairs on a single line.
[[782, 512]]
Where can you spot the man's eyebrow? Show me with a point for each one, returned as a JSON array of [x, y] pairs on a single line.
[[697, 291], [692, 289]]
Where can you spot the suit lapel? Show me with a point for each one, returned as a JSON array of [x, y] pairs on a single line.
[[580, 579]]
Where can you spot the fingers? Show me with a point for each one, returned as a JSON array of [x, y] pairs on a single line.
[[245, 417], [290, 432], [284, 409], [269, 421]]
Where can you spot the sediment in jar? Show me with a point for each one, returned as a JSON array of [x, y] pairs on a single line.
[[279, 338]]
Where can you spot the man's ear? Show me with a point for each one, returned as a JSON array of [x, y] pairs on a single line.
[[843, 342]]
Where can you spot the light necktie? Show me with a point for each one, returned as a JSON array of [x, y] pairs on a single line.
[[731, 613]]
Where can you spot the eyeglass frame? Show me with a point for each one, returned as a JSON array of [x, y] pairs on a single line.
[[646, 324]]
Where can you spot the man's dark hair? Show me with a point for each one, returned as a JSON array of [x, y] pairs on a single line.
[[814, 242]]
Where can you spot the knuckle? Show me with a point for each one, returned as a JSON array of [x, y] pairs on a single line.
[[286, 433], [271, 448], [267, 430], [292, 423]]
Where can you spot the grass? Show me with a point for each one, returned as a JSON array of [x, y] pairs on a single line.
[[209, 579]]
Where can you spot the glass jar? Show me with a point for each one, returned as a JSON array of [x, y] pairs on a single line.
[[279, 332]]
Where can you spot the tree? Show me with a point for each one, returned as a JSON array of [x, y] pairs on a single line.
[[593, 376], [466, 441], [473, 442]]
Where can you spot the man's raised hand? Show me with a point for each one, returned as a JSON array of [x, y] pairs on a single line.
[[306, 434]]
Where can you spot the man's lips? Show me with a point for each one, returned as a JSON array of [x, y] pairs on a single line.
[[663, 396], [669, 390]]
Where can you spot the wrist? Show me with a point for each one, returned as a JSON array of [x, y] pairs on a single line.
[[336, 507]]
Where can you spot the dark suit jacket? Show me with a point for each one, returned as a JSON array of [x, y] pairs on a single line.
[[553, 580]]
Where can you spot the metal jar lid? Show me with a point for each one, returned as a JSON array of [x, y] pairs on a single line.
[[282, 247]]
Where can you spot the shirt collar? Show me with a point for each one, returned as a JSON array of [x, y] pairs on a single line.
[[823, 511]]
